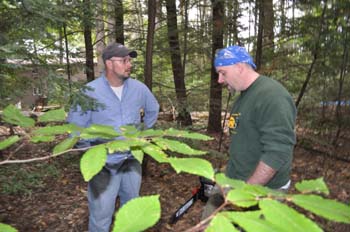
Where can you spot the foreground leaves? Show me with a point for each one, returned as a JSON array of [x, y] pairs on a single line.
[[195, 166], [326, 208], [8, 142], [138, 214], [7, 228], [12, 115], [93, 161]]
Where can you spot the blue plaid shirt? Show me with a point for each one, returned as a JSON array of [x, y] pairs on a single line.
[[116, 112]]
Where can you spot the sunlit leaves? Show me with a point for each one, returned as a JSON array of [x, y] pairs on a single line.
[[93, 161], [317, 185], [53, 116], [186, 134], [14, 116], [8, 142], [99, 131], [242, 198], [137, 214], [326, 208], [57, 130], [7, 228], [195, 166], [65, 145], [176, 146], [220, 224], [281, 215]]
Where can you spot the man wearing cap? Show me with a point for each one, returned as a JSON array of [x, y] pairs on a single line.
[[122, 98], [261, 124]]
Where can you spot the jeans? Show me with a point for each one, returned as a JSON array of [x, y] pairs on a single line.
[[123, 180]]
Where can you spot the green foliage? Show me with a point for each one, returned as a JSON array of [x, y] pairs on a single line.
[[53, 116], [8, 142], [7, 228], [317, 185], [93, 161], [12, 115], [273, 211], [138, 214]]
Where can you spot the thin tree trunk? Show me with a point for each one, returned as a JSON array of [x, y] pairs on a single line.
[[215, 101], [259, 42], [315, 56], [100, 35], [119, 21], [184, 117], [89, 50], [149, 45], [343, 70]]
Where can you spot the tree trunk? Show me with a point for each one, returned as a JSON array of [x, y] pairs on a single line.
[[119, 21], [343, 70], [184, 117], [268, 34], [215, 101], [149, 45], [89, 50], [315, 55], [100, 35], [259, 42]]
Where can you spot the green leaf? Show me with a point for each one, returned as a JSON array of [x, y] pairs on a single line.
[[252, 221], [14, 116], [151, 133], [7, 228], [65, 145], [195, 166], [176, 146], [117, 146], [282, 215], [99, 131], [8, 142], [185, 134], [40, 138], [138, 154], [261, 191], [93, 161], [224, 181], [156, 153], [53, 116], [330, 209], [130, 131], [220, 224], [57, 130], [317, 185], [137, 214], [242, 198]]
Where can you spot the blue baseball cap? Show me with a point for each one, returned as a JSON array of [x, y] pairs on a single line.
[[232, 55]]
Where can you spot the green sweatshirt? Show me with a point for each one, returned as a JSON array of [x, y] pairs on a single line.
[[262, 129]]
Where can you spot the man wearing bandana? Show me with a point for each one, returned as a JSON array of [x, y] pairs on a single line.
[[261, 124]]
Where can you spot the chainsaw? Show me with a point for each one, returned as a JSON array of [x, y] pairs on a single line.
[[202, 193]]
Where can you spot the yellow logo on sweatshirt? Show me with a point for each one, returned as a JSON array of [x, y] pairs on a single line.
[[233, 122]]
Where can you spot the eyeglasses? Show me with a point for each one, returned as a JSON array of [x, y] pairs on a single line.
[[124, 61]]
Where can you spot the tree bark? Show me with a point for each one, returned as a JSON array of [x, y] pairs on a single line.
[[149, 45], [183, 117], [119, 21], [215, 101], [315, 56], [89, 50]]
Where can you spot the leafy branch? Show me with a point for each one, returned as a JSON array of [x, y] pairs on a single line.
[[272, 212]]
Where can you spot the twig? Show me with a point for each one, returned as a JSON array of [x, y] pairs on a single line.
[[41, 158]]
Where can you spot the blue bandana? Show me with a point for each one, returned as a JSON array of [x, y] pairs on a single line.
[[232, 55]]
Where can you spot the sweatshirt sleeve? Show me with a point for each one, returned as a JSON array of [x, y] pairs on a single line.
[[276, 123]]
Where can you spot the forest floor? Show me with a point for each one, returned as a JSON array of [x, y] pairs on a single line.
[[51, 196]]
